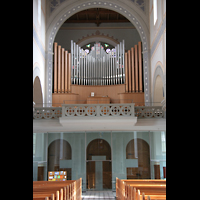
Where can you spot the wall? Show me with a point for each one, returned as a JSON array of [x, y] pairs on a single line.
[[39, 28], [117, 140], [117, 31], [158, 44]]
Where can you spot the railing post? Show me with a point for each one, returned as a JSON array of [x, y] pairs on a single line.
[[63, 110], [132, 110], [98, 110]]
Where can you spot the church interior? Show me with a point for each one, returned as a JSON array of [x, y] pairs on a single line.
[[99, 93]]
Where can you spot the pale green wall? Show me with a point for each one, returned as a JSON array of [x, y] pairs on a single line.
[[118, 142]]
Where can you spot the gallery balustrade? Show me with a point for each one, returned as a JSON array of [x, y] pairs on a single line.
[[92, 110]]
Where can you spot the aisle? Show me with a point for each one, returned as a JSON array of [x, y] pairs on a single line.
[[98, 195]]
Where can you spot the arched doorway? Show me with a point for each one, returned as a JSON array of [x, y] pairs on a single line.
[[99, 165], [59, 150], [138, 149]]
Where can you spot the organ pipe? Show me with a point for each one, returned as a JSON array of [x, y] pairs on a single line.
[[66, 71], [126, 72], [62, 70], [136, 68], [55, 68], [133, 69], [140, 65], [69, 72], [129, 69], [59, 67]]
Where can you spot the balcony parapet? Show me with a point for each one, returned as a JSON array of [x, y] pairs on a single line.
[[98, 110]]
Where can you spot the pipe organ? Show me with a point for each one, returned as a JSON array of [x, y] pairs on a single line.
[[119, 71], [97, 67]]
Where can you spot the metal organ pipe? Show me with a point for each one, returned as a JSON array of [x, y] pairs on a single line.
[[55, 68], [97, 67]]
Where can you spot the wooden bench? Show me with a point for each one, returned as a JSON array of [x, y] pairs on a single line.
[[140, 189], [54, 190]]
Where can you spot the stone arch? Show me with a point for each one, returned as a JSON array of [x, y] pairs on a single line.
[[159, 84], [71, 7]]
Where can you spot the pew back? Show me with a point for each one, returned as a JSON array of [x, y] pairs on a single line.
[[62, 190]]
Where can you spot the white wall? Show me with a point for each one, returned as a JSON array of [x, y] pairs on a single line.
[[39, 27], [158, 44]]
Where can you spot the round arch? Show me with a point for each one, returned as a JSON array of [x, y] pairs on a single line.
[[98, 147], [59, 149], [69, 8], [158, 80]]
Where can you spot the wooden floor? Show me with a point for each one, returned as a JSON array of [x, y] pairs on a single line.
[[98, 195]]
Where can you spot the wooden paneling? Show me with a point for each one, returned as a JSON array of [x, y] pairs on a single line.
[[98, 100], [64, 98], [109, 90], [137, 98]]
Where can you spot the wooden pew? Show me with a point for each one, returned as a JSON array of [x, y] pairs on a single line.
[[140, 189], [62, 190]]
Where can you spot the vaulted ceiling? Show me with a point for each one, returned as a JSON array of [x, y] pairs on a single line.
[[97, 16]]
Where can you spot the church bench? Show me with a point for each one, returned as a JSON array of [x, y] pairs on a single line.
[[140, 189], [141, 181], [148, 189], [62, 190]]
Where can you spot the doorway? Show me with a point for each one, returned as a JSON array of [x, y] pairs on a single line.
[[138, 149], [99, 165], [60, 150]]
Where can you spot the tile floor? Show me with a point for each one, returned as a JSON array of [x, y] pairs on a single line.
[[98, 195]]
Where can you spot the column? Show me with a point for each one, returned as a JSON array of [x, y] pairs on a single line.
[[66, 71], [59, 68], [126, 73], [136, 68], [55, 68], [62, 70], [140, 65], [133, 69]]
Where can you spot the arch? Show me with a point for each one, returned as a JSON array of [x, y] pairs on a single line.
[[98, 38], [69, 8], [36, 71], [159, 84], [37, 92], [59, 150], [99, 173], [98, 147], [142, 153]]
